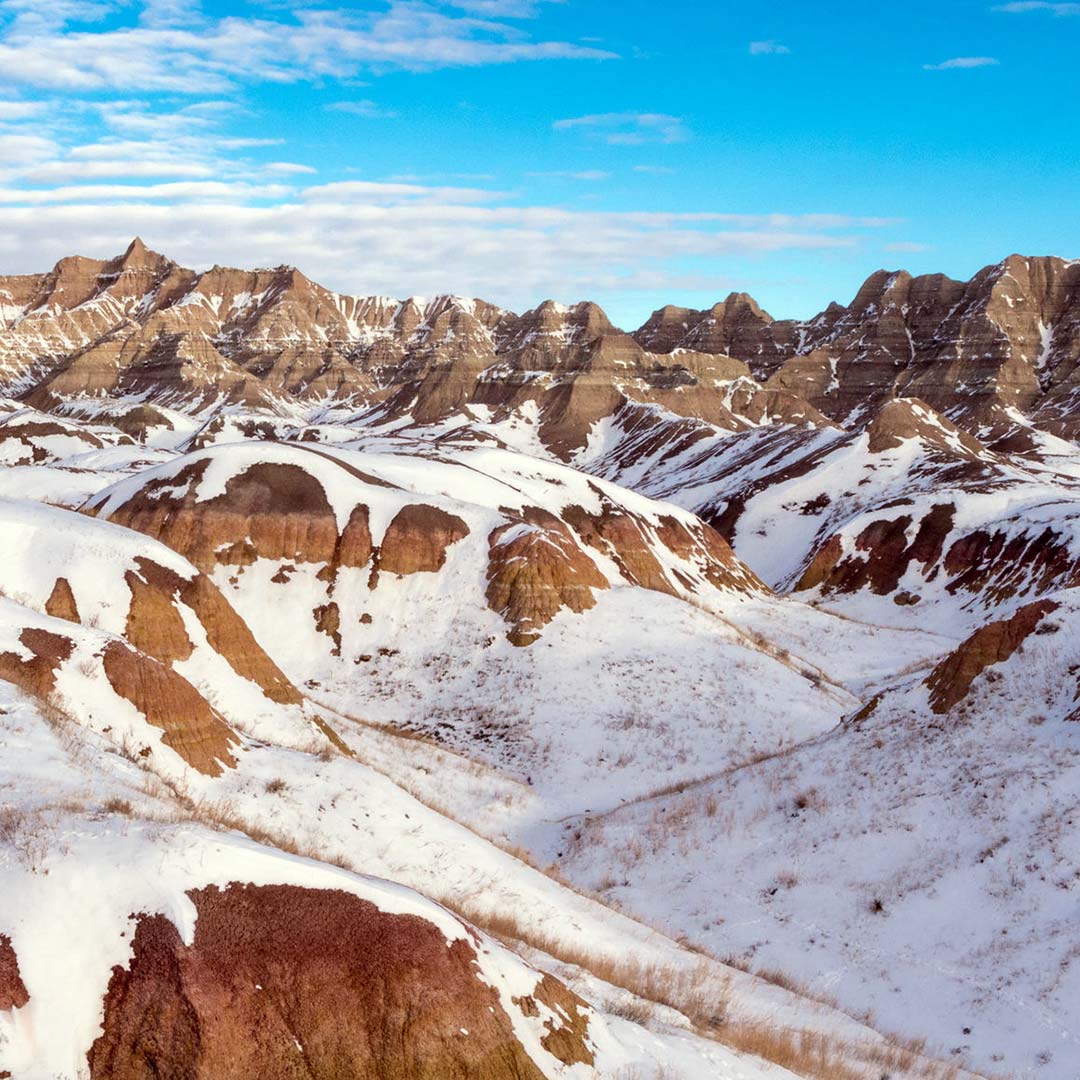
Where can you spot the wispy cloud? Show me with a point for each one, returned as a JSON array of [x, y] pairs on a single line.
[[502, 9], [566, 174], [654, 170], [370, 110], [959, 63], [629, 128], [19, 110], [289, 168], [768, 48], [415, 238], [1022, 7], [49, 45]]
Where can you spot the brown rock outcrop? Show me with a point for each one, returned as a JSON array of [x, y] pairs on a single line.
[[36, 675], [908, 418], [536, 568], [328, 622], [283, 982], [882, 554], [154, 623], [1000, 564], [155, 626], [140, 325], [991, 644], [630, 543], [416, 540], [567, 1040], [271, 511], [230, 636], [193, 728], [619, 536], [61, 602], [13, 993]]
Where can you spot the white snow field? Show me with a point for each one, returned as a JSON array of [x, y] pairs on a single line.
[[665, 799]]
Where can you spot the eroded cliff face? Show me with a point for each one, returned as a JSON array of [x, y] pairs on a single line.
[[994, 643], [1008, 337], [314, 518], [141, 325], [282, 981]]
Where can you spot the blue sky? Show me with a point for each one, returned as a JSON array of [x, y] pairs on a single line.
[[628, 152]]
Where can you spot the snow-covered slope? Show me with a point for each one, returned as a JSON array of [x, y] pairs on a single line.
[[513, 608], [374, 624], [918, 862]]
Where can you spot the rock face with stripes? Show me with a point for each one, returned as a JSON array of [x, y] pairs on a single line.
[[342, 525], [286, 981]]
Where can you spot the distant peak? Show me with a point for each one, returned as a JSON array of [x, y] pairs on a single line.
[[139, 257]]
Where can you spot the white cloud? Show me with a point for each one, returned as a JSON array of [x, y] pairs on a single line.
[[289, 168], [907, 247], [401, 239], [367, 108], [629, 128], [768, 48], [35, 16], [375, 193], [654, 170], [19, 110], [72, 169], [1021, 7], [168, 55], [141, 118], [180, 191], [963, 62], [21, 151], [170, 12], [502, 9]]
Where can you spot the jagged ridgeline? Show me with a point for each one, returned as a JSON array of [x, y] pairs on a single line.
[[1006, 342]]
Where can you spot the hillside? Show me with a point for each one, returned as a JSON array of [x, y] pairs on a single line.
[[698, 701]]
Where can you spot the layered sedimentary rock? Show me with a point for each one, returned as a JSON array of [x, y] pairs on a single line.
[[315, 518], [141, 325], [991, 644], [280, 981]]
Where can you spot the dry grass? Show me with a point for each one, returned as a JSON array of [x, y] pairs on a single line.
[[703, 996], [27, 834], [698, 992]]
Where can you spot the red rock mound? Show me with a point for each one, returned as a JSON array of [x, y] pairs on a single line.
[[13, 993], [271, 511], [633, 545], [36, 675], [535, 568], [168, 701], [994, 643], [61, 603], [882, 554], [156, 627], [290, 982], [417, 539]]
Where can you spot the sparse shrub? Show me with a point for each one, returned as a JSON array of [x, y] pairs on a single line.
[[633, 1009], [275, 786]]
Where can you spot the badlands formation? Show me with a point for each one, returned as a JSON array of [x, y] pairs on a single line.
[[414, 688]]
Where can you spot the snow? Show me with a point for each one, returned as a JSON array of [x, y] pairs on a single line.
[[960, 829], [689, 761]]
